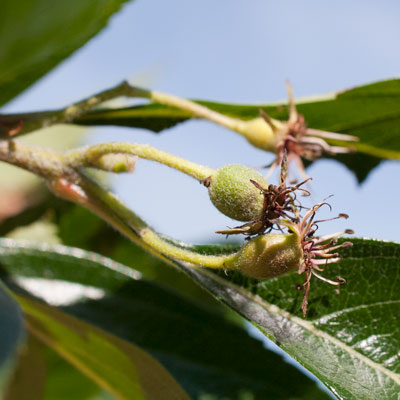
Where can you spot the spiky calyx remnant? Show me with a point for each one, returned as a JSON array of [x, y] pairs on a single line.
[[271, 255], [318, 251], [298, 141], [279, 202], [233, 193]]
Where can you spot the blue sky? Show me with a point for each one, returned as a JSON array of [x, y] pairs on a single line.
[[235, 51]]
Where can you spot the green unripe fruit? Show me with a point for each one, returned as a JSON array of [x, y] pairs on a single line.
[[234, 195], [268, 256], [260, 134]]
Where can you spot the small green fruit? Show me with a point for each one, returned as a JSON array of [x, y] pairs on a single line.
[[268, 256], [232, 192], [261, 134]]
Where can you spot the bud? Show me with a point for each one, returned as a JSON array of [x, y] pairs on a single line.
[[115, 162]]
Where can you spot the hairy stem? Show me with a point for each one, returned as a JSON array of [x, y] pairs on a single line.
[[256, 131], [131, 225], [156, 242], [20, 124], [90, 155], [41, 162], [197, 110], [65, 179]]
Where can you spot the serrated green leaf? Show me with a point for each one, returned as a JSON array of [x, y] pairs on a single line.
[[370, 112], [350, 340], [203, 351], [36, 35]]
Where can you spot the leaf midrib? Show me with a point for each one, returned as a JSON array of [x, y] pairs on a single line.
[[315, 331]]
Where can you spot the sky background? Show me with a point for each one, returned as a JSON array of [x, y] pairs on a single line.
[[234, 51]]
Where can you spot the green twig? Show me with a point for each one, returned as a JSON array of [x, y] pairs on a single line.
[[91, 157], [64, 176], [13, 125], [256, 131]]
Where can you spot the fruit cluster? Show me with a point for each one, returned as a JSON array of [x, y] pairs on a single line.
[[243, 194]]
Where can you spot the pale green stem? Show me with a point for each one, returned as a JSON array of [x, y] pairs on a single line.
[[20, 124], [71, 184], [198, 111], [89, 155], [256, 131], [33, 121], [113, 211], [132, 226], [180, 253]]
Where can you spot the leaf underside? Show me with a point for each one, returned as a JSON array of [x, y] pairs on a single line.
[[36, 35]]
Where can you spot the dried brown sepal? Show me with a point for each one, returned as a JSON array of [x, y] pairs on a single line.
[[299, 141], [206, 182], [279, 202], [318, 251]]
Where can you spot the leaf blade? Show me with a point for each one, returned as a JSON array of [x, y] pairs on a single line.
[[370, 112], [201, 352], [118, 366], [359, 371], [37, 35]]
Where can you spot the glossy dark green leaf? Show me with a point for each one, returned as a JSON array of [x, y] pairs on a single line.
[[78, 227], [370, 112], [349, 340], [36, 35], [12, 334], [203, 351]]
